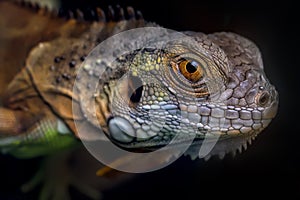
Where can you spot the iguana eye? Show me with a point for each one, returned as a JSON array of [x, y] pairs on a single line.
[[191, 70]]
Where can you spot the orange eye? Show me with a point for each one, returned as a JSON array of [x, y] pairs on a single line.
[[191, 70]]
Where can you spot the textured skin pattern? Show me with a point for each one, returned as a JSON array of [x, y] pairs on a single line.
[[41, 92], [231, 98]]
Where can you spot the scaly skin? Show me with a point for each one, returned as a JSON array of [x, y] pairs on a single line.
[[26, 101], [28, 126], [230, 96]]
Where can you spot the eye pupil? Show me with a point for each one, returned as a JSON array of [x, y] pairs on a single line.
[[191, 67]]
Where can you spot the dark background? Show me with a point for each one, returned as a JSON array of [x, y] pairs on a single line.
[[271, 165]]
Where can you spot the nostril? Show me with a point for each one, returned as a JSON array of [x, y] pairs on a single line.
[[263, 98]]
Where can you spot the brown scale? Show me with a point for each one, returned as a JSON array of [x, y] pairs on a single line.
[[52, 49]]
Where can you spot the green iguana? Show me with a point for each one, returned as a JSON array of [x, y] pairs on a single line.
[[36, 114]]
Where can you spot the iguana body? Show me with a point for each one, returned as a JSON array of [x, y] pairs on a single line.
[[37, 112], [25, 111], [45, 133]]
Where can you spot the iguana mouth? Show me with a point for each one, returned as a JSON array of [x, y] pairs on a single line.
[[223, 122]]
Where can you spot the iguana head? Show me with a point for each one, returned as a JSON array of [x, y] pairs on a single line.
[[208, 86]]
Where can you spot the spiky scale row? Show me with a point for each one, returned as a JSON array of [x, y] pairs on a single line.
[[36, 7], [90, 14]]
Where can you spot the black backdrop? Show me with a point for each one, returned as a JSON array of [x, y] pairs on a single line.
[[270, 167]]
